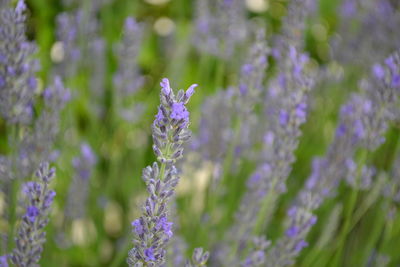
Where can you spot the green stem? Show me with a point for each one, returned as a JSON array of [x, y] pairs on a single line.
[[265, 209], [13, 186], [349, 212], [124, 251], [212, 194], [219, 74]]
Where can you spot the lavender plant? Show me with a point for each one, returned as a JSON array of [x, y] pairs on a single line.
[[199, 258], [17, 66], [127, 79], [363, 121], [220, 26], [31, 236], [379, 18], [170, 130], [293, 27], [268, 181], [79, 188], [241, 193], [37, 144]]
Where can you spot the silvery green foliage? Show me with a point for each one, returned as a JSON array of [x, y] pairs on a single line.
[[153, 229], [199, 258], [127, 79], [17, 67], [79, 188], [37, 144], [365, 27], [37, 205], [220, 26], [362, 123]]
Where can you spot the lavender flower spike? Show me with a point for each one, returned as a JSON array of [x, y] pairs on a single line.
[[31, 237], [199, 258], [170, 130], [79, 188], [17, 68], [127, 79]]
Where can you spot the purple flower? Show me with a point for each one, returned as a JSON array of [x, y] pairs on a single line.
[[166, 89], [2, 81], [190, 91], [149, 254], [292, 231], [283, 117], [32, 212], [4, 261], [87, 154], [349, 8], [292, 212], [390, 62], [301, 111], [300, 245], [31, 236], [138, 226], [160, 116], [79, 188], [17, 65], [165, 226], [128, 79], [378, 71], [169, 132], [396, 81], [179, 112], [220, 26]]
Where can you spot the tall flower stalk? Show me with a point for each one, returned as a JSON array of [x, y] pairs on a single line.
[[31, 236], [127, 79], [363, 122], [153, 229], [17, 67]]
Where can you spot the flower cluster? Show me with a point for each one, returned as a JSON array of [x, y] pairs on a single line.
[[17, 67], [292, 33], [199, 258], [220, 26], [38, 144], [257, 256], [153, 229], [127, 79], [358, 127], [31, 237], [268, 181], [79, 188], [377, 18]]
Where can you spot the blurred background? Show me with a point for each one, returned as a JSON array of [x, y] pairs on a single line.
[[106, 137]]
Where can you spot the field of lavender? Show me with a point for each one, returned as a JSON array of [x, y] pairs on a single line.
[[281, 150]]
